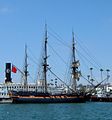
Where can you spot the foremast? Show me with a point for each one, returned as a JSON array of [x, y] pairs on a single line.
[[26, 70], [75, 65]]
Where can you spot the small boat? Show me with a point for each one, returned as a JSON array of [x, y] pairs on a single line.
[[70, 96], [5, 100]]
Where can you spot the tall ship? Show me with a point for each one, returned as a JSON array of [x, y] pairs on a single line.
[[44, 94]]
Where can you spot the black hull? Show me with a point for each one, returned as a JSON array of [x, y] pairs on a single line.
[[100, 99], [36, 97], [48, 100]]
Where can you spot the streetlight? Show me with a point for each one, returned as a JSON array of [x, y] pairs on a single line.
[[108, 74], [91, 72], [91, 75], [101, 74], [88, 76]]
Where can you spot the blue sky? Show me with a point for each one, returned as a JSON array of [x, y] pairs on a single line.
[[22, 21]]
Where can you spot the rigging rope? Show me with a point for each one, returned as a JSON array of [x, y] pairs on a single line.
[[61, 41], [58, 37], [89, 55], [57, 54], [87, 80], [94, 63], [87, 59], [60, 80]]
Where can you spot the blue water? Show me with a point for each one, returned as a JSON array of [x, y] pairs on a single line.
[[82, 111]]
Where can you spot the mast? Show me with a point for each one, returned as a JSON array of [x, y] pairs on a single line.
[[73, 47], [45, 60], [75, 65], [26, 69]]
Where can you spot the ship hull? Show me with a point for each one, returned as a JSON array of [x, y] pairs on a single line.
[[48, 99], [100, 99]]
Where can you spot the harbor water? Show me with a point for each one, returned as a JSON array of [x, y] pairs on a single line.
[[80, 111]]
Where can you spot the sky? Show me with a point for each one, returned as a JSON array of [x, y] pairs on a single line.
[[22, 22]]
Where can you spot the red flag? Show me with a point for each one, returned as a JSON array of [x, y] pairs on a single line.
[[14, 69]]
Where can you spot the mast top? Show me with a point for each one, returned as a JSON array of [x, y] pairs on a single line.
[[46, 33]]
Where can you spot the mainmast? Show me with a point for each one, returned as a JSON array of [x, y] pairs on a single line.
[[73, 47], [45, 60], [75, 65], [26, 69]]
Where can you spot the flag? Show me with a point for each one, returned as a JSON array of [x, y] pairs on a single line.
[[14, 69]]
